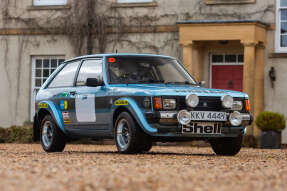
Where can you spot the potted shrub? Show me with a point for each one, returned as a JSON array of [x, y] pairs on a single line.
[[271, 124]]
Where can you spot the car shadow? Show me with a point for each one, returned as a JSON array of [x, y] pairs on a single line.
[[148, 153]]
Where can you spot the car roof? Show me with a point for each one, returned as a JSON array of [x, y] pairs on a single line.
[[117, 54]]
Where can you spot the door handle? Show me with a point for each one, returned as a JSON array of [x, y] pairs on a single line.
[[73, 93]]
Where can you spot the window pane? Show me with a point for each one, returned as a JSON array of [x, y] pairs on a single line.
[[38, 63], [38, 82], [49, 2], [46, 63], [54, 63], [240, 58], [46, 73], [230, 58], [283, 3], [284, 15], [283, 27], [89, 69], [134, 1], [217, 58], [283, 41], [65, 78], [38, 72], [61, 61]]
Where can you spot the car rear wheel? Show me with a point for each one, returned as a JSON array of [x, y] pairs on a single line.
[[228, 146], [52, 138], [129, 137]]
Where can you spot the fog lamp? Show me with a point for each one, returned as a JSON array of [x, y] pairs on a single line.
[[192, 100], [184, 117], [227, 101], [235, 118]]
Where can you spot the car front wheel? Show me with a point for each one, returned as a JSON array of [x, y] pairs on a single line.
[[52, 138], [129, 137], [228, 146]]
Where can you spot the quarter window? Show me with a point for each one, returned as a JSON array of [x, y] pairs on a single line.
[[281, 29], [89, 69], [65, 78], [49, 2]]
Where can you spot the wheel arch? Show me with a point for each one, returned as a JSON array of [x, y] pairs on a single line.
[[37, 123], [134, 110], [50, 109]]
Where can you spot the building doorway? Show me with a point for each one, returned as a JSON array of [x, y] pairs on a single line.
[[227, 71]]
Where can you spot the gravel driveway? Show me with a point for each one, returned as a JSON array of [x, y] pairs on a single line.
[[93, 167]]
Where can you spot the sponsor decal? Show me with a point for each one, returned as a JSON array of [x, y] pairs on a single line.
[[121, 102], [65, 94], [64, 104], [202, 128], [66, 117], [43, 105]]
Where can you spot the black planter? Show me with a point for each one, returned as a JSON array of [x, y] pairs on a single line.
[[270, 140]]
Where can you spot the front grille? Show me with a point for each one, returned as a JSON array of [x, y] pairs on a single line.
[[205, 104]]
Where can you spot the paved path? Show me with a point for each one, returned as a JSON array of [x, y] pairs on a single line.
[[92, 167]]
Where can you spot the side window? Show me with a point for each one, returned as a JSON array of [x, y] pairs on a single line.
[[89, 69], [65, 78]]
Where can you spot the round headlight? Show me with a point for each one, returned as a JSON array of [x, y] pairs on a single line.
[[235, 118], [227, 101], [192, 100], [184, 117]]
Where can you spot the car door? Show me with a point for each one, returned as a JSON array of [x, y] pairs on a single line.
[[88, 100]]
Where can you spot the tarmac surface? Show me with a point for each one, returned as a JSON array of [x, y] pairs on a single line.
[[100, 167]]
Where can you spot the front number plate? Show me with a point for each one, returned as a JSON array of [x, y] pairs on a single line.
[[208, 116]]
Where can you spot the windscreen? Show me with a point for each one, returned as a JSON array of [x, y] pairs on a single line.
[[144, 69]]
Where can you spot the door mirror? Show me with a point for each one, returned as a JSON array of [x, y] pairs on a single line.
[[202, 84], [94, 82]]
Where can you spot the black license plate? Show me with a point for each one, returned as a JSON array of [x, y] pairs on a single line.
[[202, 128]]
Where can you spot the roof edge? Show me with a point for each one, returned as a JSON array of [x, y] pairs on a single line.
[[221, 21]]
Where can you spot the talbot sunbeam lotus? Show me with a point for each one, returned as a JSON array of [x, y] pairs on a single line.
[[136, 99]]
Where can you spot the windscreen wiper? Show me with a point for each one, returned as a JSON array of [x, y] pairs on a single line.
[[151, 81]]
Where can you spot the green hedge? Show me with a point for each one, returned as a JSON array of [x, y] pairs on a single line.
[[270, 121], [16, 134]]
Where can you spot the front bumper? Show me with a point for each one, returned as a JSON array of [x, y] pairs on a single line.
[[167, 125]]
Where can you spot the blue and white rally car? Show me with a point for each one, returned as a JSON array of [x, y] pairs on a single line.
[[136, 99]]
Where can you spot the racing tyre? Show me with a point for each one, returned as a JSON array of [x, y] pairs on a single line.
[[146, 144], [228, 146], [129, 137], [52, 138]]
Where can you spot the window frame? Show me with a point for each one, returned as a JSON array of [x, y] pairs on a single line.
[[34, 87], [80, 66], [278, 48], [47, 4]]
